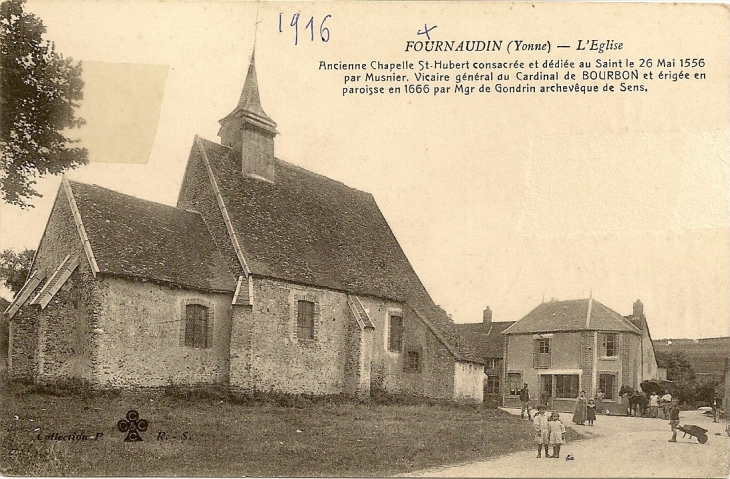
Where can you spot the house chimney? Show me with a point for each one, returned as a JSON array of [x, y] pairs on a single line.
[[250, 131], [638, 309], [487, 318]]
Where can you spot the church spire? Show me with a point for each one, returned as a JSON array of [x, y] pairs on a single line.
[[250, 131], [250, 101]]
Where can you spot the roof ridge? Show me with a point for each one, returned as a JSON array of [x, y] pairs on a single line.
[[177, 208]]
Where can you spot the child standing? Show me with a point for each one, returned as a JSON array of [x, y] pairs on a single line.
[[557, 434], [591, 415], [542, 431]]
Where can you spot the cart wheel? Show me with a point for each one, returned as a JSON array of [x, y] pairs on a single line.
[[702, 438]]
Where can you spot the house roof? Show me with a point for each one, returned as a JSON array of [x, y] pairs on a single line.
[[310, 229], [488, 342], [571, 315], [143, 239]]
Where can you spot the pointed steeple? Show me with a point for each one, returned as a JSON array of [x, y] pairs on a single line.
[[250, 130], [250, 101], [249, 104]]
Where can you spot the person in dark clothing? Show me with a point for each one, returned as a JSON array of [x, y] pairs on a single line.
[[674, 419], [525, 400]]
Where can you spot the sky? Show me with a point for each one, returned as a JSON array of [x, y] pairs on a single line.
[[504, 200]]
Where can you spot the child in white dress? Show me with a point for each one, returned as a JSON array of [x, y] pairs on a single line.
[[557, 434]]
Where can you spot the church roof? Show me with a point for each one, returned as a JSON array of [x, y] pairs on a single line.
[[488, 341], [137, 238], [571, 315], [310, 229]]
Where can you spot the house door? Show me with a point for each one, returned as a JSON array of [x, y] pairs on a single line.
[[546, 390]]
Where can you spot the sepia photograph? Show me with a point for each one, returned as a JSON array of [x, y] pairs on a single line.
[[364, 239]]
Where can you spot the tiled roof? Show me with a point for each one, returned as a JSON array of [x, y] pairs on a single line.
[[571, 316], [142, 239], [488, 342], [309, 229]]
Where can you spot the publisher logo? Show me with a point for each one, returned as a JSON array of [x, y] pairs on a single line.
[[133, 426]]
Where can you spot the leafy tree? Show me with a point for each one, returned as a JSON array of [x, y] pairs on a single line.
[[680, 372], [39, 91], [676, 363], [14, 268]]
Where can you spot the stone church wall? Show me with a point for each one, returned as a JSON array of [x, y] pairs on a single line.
[[270, 356], [57, 342], [266, 354], [141, 336]]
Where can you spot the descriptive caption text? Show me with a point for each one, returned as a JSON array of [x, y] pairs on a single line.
[[536, 75], [488, 66]]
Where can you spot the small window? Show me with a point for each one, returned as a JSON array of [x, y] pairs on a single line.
[[543, 346], [610, 345], [514, 383], [566, 386], [196, 326], [492, 363], [492, 384], [412, 361], [305, 320], [395, 336]]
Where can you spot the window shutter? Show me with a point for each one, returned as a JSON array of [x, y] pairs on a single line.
[[189, 325], [209, 332], [536, 353], [183, 324]]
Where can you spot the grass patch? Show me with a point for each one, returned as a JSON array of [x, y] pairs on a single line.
[[214, 433]]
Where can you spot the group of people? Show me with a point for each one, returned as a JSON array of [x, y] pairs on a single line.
[[549, 431], [584, 410], [659, 406]]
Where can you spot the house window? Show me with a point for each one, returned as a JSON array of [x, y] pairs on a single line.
[[514, 383], [412, 361], [541, 357], [492, 384], [395, 334], [196, 326], [607, 383], [610, 345], [492, 363], [566, 386], [305, 320]]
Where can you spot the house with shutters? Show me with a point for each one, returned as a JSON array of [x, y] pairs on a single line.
[[563, 347], [487, 340], [263, 277]]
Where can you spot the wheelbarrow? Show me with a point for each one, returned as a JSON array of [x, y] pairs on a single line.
[[695, 431]]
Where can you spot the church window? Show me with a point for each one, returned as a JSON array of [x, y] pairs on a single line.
[[196, 326], [305, 320], [395, 334], [412, 361]]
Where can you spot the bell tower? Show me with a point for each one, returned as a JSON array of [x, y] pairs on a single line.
[[250, 131]]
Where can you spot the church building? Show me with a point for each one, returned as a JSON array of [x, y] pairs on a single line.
[[264, 277]]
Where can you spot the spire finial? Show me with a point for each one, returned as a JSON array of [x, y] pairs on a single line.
[[255, 29]]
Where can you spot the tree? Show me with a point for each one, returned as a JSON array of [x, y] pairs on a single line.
[[680, 372], [14, 268], [39, 91]]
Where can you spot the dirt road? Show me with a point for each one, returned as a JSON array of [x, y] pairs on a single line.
[[619, 447]]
